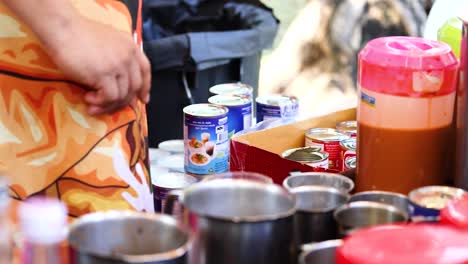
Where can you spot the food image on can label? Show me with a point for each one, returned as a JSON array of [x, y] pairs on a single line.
[[240, 111], [426, 202], [328, 140], [276, 106], [206, 139]]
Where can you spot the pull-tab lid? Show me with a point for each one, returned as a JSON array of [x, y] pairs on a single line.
[[408, 66], [424, 243], [456, 213]]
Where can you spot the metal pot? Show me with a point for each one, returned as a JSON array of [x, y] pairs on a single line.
[[239, 221], [313, 221], [127, 237], [325, 179], [396, 199], [356, 215]]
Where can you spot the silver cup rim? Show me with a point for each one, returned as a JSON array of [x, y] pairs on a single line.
[[114, 215], [287, 185], [319, 188], [317, 246], [368, 204], [380, 192], [213, 184]]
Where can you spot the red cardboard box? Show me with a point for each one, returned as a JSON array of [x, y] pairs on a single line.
[[261, 151]]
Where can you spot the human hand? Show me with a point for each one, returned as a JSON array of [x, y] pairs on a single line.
[[106, 60]]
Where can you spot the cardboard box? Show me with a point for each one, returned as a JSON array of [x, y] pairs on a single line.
[[261, 151]]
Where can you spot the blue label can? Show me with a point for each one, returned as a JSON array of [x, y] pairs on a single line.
[[206, 141], [276, 106], [240, 111], [239, 89], [426, 202]]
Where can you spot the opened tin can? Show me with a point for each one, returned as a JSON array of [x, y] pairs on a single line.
[[328, 140], [239, 89], [348, 128], [276, 106], [240, 111], [348, 153], [311, 156], [206, 139], [164, 183], [426, 202]]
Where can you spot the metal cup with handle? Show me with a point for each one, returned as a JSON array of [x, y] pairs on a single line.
[[239, 221]]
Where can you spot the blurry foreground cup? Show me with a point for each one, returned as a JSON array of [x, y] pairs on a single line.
[[240, 175], [120, 237], [320, 253]]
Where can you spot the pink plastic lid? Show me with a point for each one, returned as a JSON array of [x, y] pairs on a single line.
[[424, 243], [408, 66], [456, 213]]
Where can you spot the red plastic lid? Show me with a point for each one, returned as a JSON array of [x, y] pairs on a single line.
[[456, 213], [405, 244], [408, 66]]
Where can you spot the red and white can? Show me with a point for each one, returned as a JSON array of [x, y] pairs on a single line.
[[348, 128], [348, 152], [328, 140]]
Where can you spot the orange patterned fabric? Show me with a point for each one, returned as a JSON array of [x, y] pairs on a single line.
[[48, 143]]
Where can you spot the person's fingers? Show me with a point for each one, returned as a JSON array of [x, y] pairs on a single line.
[[107, 92], [123, 82], [135, 77], [145, 68]]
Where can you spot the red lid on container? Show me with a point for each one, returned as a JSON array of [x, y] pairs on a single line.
[[408, 66], [405, 244], [456, 213]]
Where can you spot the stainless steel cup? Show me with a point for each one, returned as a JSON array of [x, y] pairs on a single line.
[[313, 221], [334, 180], [356, 215], [239, 221], [396, 199], [320, 253], [127, 237]]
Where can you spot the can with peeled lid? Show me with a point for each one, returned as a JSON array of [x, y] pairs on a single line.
[[348, 154], [328, 140], [311, 156], [348, 127], [426, 202]]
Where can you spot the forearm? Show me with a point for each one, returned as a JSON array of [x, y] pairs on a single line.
[[49, 19]]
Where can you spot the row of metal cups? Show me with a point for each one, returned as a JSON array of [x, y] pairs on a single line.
[[326, 211], [239, 218]]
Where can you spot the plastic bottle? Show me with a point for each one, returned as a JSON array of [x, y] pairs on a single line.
[[43, 222], [5, 227]]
